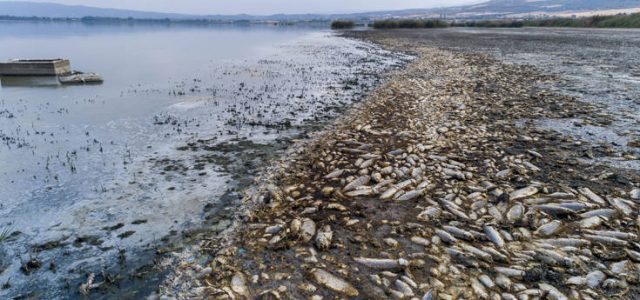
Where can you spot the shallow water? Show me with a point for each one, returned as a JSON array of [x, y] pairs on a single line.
[[102, 177]]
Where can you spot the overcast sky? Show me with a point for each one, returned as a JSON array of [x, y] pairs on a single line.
[[262, 6]]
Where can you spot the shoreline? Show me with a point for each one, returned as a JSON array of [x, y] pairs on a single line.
[[182, 176], [433, 188]]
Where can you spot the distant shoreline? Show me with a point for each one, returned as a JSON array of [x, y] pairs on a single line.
[[169, 21]]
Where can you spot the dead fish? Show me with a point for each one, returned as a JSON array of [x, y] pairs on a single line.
[[486, 281], [595, 278], [334, 174], [633, 255], [552, 292], [239, 285], [389, 193], [555, 210], [576, 281], [459, 233], [453, 174], [404, 288], [515, 213], [504, 174], [560, 195], [504, 282], [382, 263], [507, 296], [308, 230], [577, 207], [605, 213], [566, 242], [477, 252], [430, 213], [549, 229], [409, 281], [605, 240], [410, 195], [377, 177], [523, 193], [386, 170], [614, 234], [591, 222], [361, 191], [366, 164], [479, 289], [615, 284], [496, 214], [336, 206], [358, 182], [457, 212], [462, 257], [428, 295], [622, 206], [420, 241], [619, 267], [495, 254], [553, 257], [323, 237], [494, 236], [295, 226], [333, 282], [445, 236], [510, 272], [416, 173], [591, 196]]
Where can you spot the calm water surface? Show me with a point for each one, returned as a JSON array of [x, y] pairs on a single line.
[[96, 177]]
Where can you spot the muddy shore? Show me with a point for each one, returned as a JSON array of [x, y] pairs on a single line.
[[439, 186]]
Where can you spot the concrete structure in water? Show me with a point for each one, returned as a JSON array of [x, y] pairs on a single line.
[[35, 67]]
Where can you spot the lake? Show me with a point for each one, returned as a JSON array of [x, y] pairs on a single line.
[[101, 178]]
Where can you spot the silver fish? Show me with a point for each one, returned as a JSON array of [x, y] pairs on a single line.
[[494, 236], [523, 193]]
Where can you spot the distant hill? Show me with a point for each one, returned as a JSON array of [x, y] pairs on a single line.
[[52, 10], [511, 7], [488, 9]]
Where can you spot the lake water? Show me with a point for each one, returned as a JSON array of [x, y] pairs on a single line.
[[100, 178]]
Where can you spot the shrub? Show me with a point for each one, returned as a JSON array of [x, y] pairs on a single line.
[[409, 23], [617, 21], [342, 24]]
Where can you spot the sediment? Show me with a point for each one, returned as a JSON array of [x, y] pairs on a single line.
[[438, 186]]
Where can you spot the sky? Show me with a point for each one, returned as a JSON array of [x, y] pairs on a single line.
[[261, 7]]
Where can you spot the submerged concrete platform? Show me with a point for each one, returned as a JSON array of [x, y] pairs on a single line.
[[35, 67]]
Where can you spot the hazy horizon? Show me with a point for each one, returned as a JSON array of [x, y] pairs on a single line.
[[259, 7]]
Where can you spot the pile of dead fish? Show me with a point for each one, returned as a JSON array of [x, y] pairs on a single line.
[[430, 191]]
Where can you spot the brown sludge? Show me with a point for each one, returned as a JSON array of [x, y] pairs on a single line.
[[431, 189]]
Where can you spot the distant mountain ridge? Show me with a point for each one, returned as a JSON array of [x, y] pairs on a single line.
[[488, 9], [53, 10]]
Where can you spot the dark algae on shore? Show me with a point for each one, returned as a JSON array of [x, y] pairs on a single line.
[[435, 188]]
